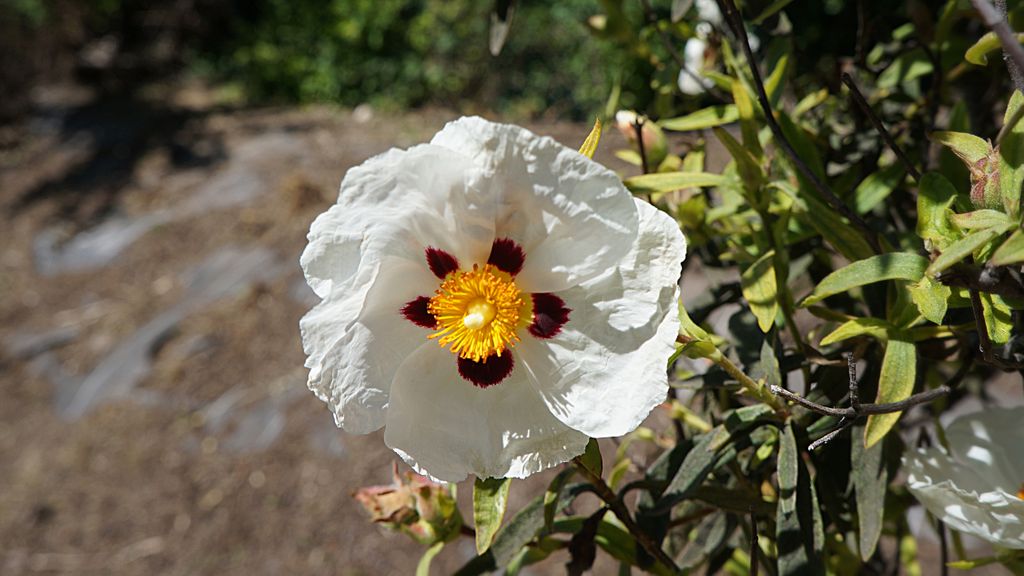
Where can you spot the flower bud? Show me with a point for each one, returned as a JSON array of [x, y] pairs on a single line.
[[414, 505], [655, 144]]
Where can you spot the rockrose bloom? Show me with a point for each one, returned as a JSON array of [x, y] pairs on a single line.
[[978, 486], [492, 299]]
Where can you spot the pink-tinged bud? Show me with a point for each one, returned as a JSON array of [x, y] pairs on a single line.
[[414, 505], [655, 144], [985, 191]]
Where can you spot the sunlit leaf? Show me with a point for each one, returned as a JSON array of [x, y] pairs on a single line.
[[589, 146], [490, 498], [895, 383], [963, 248], [702, 119], [1011, 251], [669, 181], [1011, 157], [891, 266], [759, 288]]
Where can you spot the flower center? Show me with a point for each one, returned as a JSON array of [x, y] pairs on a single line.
[[477, 312]]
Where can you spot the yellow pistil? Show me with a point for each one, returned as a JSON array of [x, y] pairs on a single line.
[[1020, 493], [477, 312]]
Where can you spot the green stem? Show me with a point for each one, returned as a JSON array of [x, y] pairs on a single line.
[[756, 389], [616, 505]]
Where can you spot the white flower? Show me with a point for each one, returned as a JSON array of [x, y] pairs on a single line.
[[691, 78], [492, 299], [707, 10], [978, 486]]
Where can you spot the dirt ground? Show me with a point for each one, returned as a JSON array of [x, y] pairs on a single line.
[[154, 416]]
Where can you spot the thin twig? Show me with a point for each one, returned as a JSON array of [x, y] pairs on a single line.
[[638, 127], [736, 21], [866, 108], [844, 423], [851, 367], [866, 409], [982, 279], [1012, 50], [757, 389], [619, 509]]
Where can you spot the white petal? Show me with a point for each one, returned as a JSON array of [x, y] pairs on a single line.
[[606, 370], [446, 428], [572, 216], [398, 204], [961, 497], [996, 435], [356, 340]]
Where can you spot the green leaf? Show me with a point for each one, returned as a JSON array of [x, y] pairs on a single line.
[[874, 327], [905, 68], [984, 218], [931, 298], [773, 83], [870, 478], [771, 10], [895, 383], [877, 187], [1010, 252], [669, 181], [788, 469], [891, 266], [998, 317], [552, 494], [799, 535], [1011, 157], [590, 144], [747, 166], [962, 248], [978, 53], [934, 199], [591, 458], [745, 106], [759, 288], [423, 567], [968, 147], [701, 119], [814, 213], [490, 498]]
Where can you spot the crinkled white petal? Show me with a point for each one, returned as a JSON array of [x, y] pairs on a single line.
[[355, 342], [963, 497], [446, 428], [973, 488], [572, 216], [606, 370], [399, 203]]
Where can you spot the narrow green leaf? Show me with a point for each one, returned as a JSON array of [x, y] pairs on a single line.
[[788, 469], [591, 458], [934, 199], [423, 567], [984, 218], [814, 213], [490, 498], [1011, 157], [1011, 251], [895, 383], [701, 119], [874, 327], [669, 181], [553, 493], [773, 83], [978, 53], [745, 106], [870, 478], [877, 187], [905, 68], [968, 147], [931, 298], [747, 166], [962, 248], [771, 10], [590, 144], [760, 289], [998, 317], [891, 266]]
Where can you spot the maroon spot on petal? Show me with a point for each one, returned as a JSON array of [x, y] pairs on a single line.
[[441, 263], [492, 370], [416, 312], [507, 256], [549, 315]]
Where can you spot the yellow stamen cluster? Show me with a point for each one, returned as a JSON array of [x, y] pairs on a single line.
[[1020, 493], [477, 312]]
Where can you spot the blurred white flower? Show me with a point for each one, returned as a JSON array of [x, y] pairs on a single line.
[[491, 299], [707, 10], [691, 79], [978, 486]]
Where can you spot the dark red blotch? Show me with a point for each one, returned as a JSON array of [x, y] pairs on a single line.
[[416, 312], [549, 315], [507, 256], [441, 263], [489, 372]]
